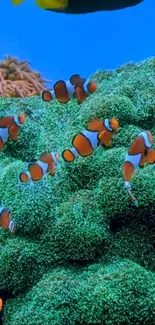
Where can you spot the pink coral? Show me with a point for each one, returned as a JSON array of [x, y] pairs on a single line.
[[18, 80]]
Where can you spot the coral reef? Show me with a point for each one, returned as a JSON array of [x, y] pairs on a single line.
[[18, 80], [82, 253]]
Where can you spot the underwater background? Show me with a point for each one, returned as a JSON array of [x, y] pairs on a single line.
[[60, 45], [82, 253]]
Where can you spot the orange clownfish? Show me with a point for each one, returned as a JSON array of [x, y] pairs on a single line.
[[12, 120], [4, 296], [98, 132], [10, 127], [86, 89], [1, 304], [75, 87], [6, 221], [36, 170], [139, 153]]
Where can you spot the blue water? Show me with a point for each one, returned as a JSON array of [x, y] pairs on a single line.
[[59, 45]]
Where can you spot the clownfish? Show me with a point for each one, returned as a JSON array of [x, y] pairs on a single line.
[[82, 6], [139, 154], [10, 127], [36, 170], [75, 87], [98, 132], [1, 304], [12, 120], [6, 221], [4, 296], [83, 91]]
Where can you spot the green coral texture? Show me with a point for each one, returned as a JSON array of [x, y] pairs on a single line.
[[82, 253]]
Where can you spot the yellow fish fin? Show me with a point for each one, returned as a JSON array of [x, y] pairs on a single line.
[[52, 4], [17, 2]]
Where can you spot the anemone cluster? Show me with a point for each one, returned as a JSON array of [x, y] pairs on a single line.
[[82, 253]]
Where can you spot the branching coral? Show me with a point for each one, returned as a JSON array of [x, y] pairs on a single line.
[[18, 80]]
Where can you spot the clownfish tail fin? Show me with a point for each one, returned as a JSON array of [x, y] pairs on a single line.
[[127, 185], [68, 155], [134, 200], [46, 96], [24, 177]]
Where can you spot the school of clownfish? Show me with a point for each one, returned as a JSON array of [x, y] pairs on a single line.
[[98, 133], [76, 87]]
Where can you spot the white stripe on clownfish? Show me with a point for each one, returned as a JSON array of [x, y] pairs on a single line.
[[54, 158], [70, 89], [92, 137], [146, 139], [11, 225], [1, 209], [85, 86], [42, 165], [28, 175], [4, 134], [16, 120], [134, 160], [107, 125]]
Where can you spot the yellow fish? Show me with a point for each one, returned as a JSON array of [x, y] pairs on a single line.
[[82, 6], [46, 4], [17, 2]]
